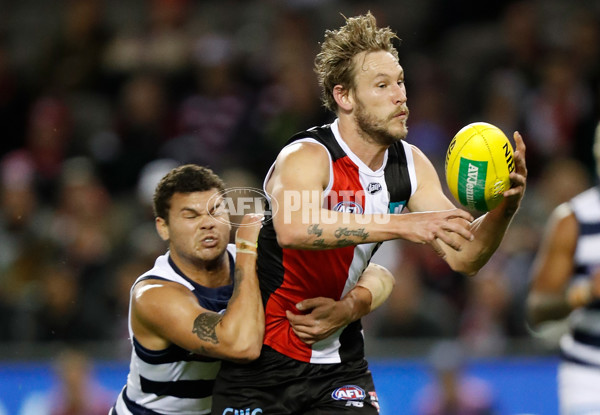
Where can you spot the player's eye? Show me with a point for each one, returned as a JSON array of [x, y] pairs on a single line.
[[219, 210]]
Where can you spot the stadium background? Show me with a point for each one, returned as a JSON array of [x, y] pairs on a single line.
[[99, 98]]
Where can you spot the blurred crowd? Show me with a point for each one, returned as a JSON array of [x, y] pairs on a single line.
[[99, 98]]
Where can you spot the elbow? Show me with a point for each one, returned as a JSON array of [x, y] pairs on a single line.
[[289, 237], [247, 353], [468, 264], [470, 269], [285, 241]]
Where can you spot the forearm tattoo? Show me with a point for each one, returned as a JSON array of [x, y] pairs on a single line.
[[314, 230], [205, 327], [341, 234], [360, 233]]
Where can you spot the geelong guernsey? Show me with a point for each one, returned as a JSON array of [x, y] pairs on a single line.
[[582, 344], [288, 276], [173, 381]]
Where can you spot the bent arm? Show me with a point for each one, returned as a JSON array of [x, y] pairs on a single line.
[[552, 269], [165, 312]]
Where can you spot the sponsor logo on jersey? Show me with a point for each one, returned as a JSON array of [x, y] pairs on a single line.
[[374, 187], [247, 411], [348, 207], [348, 393]]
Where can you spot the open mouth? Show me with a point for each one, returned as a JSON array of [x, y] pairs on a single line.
[[209, 242]]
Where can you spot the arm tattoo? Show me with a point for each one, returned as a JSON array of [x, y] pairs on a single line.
[[341, 243], [360, 233], [345, 237], [344, 242], [314, 230], [205, 325]]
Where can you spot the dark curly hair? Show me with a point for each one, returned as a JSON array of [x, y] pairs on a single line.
[[187, 178]]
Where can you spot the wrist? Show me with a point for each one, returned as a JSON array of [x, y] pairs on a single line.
[[244, 246], [358, 303], [579, 294]]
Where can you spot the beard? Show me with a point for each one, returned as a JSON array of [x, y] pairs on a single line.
[[376, 130]]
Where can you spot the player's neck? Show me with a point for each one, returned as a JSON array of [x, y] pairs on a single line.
[[368, 151], [209, 274]]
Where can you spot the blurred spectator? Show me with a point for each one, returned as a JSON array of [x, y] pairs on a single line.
[[142, 123], [452, 391], [289, 100], [14, 101], [484, 322], [76, 391], [47, 141], [212, 120], [62, 316], [71, 59], [23, 225], [159, 41], [556, 110]]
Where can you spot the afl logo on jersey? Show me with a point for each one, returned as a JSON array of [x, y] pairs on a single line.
[[348, 393], [348, 207], [374, 187]]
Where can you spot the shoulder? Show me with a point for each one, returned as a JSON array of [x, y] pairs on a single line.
[[562, 223], [154, 294], [304, 148], [416, 153], [302, 159]]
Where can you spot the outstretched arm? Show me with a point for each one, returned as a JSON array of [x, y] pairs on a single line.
[[165, 312], [326, 316], [488, 230], [297, 186]]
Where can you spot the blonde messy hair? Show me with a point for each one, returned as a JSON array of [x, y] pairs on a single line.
[[334, 64]]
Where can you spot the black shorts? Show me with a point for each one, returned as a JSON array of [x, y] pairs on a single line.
[[276, 385]]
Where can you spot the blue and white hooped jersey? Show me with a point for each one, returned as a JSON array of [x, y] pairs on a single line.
[[173, 381], [582, 344]]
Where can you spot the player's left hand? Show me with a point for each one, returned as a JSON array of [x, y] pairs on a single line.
[[518, 178], [324, 317]]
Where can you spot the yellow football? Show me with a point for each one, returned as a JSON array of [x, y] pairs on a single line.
[[478, 162]]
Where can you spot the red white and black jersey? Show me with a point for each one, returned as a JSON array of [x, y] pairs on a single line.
[[288, 276]]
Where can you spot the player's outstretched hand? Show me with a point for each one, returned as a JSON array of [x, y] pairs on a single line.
[[518, 178]]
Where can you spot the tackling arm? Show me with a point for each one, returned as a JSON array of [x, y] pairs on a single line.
[[326, 315], [165, 312]]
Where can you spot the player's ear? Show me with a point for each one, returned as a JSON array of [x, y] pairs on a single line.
[[162, 228], [342, 97]]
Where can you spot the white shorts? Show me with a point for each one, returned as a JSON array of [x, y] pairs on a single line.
[[578, 389]]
